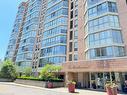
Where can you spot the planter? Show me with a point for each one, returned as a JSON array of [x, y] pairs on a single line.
[[6, 80], [39, 83], [114, 90], [50, 85], [71, 88], [109, 91]]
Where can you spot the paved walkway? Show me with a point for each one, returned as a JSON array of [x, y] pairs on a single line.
[[19, 89], [82, 92]]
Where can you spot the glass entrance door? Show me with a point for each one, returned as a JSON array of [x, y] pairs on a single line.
[[98, 80]]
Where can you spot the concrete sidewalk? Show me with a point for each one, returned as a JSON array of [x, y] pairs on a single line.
[[82, 91], [63, 90]]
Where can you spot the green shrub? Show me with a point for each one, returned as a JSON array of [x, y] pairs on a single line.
[[48, 72], [8, 70], [27, 71], [39, 79]]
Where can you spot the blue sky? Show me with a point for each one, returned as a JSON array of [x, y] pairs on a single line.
[[8, 10]]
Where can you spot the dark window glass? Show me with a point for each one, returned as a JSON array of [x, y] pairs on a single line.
[[72, 5], [70, 47], [71, 35], [70, 57], [71, 14], [71, 24]]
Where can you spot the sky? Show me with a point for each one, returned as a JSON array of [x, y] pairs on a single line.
[[8, 10]]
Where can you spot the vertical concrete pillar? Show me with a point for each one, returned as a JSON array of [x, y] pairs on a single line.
[[90, 80], [68, 77], [80, 79], [118, 80], [86, 80]]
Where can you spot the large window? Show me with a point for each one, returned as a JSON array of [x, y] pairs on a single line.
[[103, 23], [53, 60], [102, 8], [54, 40], [92, 2], [105, 52], [104, 38], [56, 50]]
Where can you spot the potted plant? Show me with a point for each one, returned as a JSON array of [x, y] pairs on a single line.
[[50, 85], [114, 89], [71, 86], [111, 88]]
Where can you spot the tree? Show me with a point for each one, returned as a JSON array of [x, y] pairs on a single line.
[[48, 72], [27, 71], [0, 65], [8, 70]]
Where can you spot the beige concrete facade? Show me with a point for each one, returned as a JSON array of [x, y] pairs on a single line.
[[122, 6], [110, 65]]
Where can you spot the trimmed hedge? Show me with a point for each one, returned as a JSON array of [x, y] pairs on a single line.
[[39, 79]]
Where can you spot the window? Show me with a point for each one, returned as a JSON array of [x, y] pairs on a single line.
[[119, 51], [103, 52], [71, 24], [71, 14], [102, 8], [75, 46], [53, 14], [27, 27], [76, 23], [72, 5], [76, 34], [75, 57], [112, 7], [103, 23], [109, 51], [76, 12], [70, 57], [100, 52], [70, 47], [71, 35]]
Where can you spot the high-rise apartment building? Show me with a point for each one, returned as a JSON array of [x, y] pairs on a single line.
[[44, 31], [25, 51], [38, 40], [54, 35], [51, 34], [16, 32], [101, 47], [88, 36]]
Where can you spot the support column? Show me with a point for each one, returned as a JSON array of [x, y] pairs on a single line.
[[90, 80], [117, 77], [68, 77], [80, 79], [86, 80]]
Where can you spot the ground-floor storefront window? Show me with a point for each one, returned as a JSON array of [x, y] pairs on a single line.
[[98, 80]]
